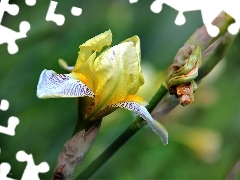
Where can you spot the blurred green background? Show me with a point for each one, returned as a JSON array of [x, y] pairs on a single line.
[[204, 138]]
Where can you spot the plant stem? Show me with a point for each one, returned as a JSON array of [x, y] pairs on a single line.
[[112, 149], [216, 57], [161, 92]]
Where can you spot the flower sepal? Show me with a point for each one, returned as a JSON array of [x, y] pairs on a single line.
[[53, 85]]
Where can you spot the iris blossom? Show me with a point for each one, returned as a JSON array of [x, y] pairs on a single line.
[[110, 78]]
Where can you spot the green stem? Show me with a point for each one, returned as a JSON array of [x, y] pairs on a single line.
[[161, 92], [112, 149], [81, 124], [216, 57]]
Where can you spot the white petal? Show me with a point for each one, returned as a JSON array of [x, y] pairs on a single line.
[[158, 128], [53, 85]]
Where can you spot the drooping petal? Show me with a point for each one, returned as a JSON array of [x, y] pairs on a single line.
[[53, 85], [104, 112], [117, 71], [140, 110], [94, 44], [135, 98], [109, 109]]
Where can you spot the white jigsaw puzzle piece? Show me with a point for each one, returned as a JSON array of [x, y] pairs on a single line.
[[31, 171], [209, 10], [133, 1], [12, 123], [4, 105], [4, 171], [30, 2], [12, 9], [51, 16], [76, 11], [9, 36], [232, 7]]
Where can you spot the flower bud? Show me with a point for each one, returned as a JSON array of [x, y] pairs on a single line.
[[180, 81]]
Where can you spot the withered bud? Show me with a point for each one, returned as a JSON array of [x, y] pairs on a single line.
[[183, 71], [185, 93]]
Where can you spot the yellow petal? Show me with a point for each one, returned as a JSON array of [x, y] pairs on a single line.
[[135, 81], [86, 70], [109, 109], [80, 77], [135, 98], [117, 72], [94, 44]]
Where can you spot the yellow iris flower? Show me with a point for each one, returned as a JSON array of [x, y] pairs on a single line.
[[111, 79]]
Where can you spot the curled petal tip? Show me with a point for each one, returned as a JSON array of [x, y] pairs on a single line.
[[159, 129], [140, 110]]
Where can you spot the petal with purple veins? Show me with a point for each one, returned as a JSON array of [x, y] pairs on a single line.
[[140, 110], [53, 85]]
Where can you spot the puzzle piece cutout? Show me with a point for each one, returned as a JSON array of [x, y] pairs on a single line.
[[7, 35], [12, 121], [4, 105], [51, 16], [12, 9], [76, 11], [209, 10], [59, 19], [30, 2], [133, 1], [4, 171], [31, 171]]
